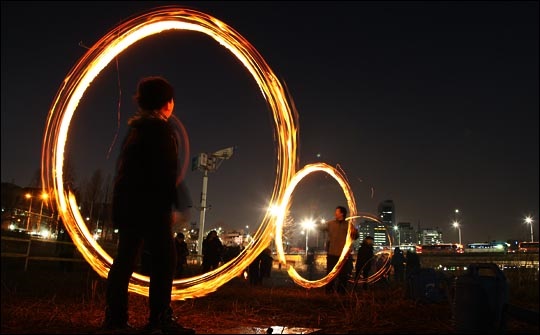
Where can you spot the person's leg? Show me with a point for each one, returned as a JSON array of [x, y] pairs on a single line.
[[163, 253], [343, 276], [331, 262], [116, 314]]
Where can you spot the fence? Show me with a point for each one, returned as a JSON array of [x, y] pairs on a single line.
[[28, 256]]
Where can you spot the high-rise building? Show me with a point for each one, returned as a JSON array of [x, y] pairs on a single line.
[[387, 214]]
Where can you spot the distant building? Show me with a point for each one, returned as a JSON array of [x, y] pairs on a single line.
[[366, 228], [430, 236], [406, 234], [374, 229], [387, 214]]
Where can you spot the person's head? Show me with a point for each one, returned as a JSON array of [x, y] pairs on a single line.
[[341, 213], [368, 240], [397, 250], [211, 234], [180, 235], [155, 95]]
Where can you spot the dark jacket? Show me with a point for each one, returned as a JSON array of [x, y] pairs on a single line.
[[145, 183], [365, 254]]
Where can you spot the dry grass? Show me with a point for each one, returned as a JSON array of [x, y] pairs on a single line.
[[48, 301]]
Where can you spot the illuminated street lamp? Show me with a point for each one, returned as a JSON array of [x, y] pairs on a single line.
[[28, 196], [396, 230], [456, 225], [208, 163], [44, 196], [308, 224], [529, 220]]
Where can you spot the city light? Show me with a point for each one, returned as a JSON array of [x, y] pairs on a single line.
[[530, 221], [456, 225]]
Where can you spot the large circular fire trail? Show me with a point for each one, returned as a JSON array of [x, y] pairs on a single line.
[[80, 77]]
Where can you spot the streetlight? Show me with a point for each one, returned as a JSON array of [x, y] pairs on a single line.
[[28, 196], [44, 196], [208, 163], [529, 220], [396, 229], [456, 225], [307, 224]]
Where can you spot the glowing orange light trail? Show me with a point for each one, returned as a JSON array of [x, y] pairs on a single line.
[[80, 78], [283, 208]]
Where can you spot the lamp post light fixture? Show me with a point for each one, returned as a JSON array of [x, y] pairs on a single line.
[[456, 225], [28, 196], [529, 221], [208, 162], [396, 231]]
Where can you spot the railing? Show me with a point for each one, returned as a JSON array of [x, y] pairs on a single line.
[[27, 256]]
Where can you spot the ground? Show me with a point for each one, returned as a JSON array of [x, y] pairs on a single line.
[[50, 301]]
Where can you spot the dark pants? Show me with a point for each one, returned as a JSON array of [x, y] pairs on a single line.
[[342, 277], [158, 238]]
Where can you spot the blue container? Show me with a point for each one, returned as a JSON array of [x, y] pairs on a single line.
[[480, 299]]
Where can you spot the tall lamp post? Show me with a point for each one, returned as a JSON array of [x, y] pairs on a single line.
[[308, 224], [529, 220], [456, 225], [396, 230], [29, 196], [207, 163], [44, 196]]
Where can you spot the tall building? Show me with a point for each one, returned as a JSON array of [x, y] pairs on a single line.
[[387, 214]]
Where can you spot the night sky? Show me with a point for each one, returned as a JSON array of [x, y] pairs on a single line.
[[433, 105]]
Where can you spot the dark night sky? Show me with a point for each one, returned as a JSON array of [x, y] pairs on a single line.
[[432, 104]]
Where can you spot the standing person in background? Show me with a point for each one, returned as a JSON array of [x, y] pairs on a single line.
[[364, 259], [412, 263], [398, 263], [182, 252], [212, 251], [144, 207], [337, 230]]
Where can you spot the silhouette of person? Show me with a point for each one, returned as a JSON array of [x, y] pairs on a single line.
[[364, 259], [398, 263], [310, 263], [254, 271], [412, 263], [266, 263], [182, 253], [212, 251], [144, 207]]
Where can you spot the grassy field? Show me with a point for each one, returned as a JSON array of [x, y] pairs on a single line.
[[45, 300]]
